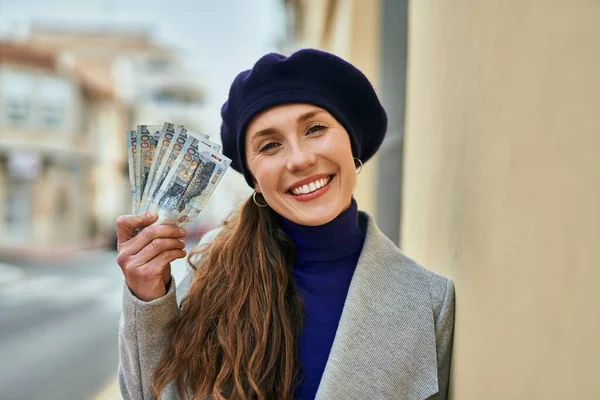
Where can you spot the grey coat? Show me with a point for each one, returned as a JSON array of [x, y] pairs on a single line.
[[394, 339]]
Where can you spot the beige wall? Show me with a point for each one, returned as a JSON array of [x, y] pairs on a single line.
[[353, 33], [502, 188]]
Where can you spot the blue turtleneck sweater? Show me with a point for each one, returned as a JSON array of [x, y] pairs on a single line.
[[326, 257]]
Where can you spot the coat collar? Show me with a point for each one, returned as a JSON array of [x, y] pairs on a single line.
[[384, 346]]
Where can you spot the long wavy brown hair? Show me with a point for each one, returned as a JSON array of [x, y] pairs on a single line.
[[235, 337]]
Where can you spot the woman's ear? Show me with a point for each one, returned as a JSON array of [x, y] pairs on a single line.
[[256, 186]]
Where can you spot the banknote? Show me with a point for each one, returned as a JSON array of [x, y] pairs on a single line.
[[149, 135], [180, 175], [196, 196], [173, 170], [164, 141], [189, 181], [180, 139], [205, 139], [166, 160], [198, 135], [131, 154], [137, 160]]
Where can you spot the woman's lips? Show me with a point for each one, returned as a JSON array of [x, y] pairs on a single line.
[[312, 195]]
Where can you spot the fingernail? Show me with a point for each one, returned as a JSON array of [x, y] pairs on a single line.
[[182, 231], [150, 214]]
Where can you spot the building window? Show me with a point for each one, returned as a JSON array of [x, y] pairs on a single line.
[[34, 99], [55, 96], [158, 65], [53, 115], [16, 111], [17, 91]]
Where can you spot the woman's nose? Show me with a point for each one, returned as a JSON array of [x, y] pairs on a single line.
[[300, 159]]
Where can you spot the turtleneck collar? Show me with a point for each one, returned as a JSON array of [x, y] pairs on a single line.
[[334, 240]]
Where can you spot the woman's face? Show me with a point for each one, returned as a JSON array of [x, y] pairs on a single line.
[[301, 160]]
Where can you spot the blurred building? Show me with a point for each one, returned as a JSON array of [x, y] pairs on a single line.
[[154, 82], [47, 151], [153, 79], [497, 169]]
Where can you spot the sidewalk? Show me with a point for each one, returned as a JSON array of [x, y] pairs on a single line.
[[34, 254], [109, 392], [9, 273]]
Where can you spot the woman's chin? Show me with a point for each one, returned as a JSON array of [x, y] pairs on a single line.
[[315, 216]]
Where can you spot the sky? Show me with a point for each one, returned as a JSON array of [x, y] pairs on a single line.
[[218, 38]]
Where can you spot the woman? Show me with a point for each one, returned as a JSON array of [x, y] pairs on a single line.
[[298, 295]]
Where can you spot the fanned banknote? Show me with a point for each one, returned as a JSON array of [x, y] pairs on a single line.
[[173, 171], [137, 160], [131, 154], [149, 135], [206, 141], [194, 200], [177, 180], [175, 146], [186, 188], [164, 140]]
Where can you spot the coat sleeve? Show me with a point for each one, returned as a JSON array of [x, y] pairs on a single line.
[[143, 339], [444, 333]]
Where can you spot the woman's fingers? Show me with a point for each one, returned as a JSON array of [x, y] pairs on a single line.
[[148, 244], [151, 233], [156, 266], [156, 247], [148, 281], [127, 225], [144, 279], [145, 258]]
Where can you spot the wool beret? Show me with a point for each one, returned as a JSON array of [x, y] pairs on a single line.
[[307, 76]]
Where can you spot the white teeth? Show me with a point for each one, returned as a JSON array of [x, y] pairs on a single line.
[[311, 187]]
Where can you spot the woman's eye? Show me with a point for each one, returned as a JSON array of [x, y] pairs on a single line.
[[269, 146], [315, 128]]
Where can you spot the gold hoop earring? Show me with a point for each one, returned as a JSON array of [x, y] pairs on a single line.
[[360, 165], [256, 202]]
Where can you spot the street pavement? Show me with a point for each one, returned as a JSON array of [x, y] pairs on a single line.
[[59, 327]]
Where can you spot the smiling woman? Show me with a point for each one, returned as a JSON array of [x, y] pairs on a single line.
[[301, 159], [298, 295]]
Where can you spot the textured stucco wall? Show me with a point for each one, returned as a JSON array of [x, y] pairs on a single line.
[[502, 188]]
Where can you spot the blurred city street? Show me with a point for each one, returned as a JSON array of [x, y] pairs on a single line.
[[59, 326]]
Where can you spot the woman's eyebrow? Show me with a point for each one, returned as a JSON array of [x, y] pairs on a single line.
[[264, 132], [309, 115]]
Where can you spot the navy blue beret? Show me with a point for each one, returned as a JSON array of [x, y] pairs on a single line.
[[307, 76]]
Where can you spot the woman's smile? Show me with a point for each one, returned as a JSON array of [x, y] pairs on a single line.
[[310, 188]]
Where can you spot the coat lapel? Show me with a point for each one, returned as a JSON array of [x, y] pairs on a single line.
[[384, 346]]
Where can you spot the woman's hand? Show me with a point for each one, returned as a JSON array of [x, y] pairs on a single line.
[[145, 258]]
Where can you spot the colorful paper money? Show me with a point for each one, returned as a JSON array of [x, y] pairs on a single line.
[[173, 171]]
